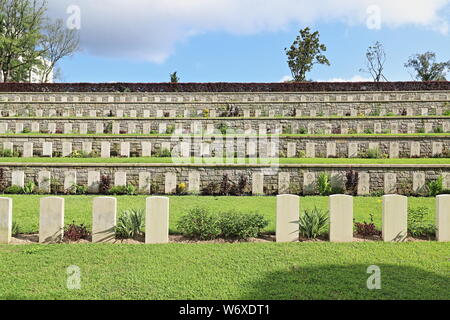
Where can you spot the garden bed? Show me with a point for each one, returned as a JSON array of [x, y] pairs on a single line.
[[29, 239]]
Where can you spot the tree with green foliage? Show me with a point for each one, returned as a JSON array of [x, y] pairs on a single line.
[[30, 42], [425, 67], [20, 32], [174, 77], [304, 53]]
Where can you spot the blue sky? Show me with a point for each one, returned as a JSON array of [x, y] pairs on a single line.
[[244, 41]]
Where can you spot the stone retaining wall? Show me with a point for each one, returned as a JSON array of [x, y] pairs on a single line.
[[245, 104], [388, 179], [208, 146], [394, 125]]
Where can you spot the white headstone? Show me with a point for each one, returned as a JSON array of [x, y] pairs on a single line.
[[27, 150], [44, 181], [363, 184], [353, 150], [284, 181], [194, 182], [66, 149], [93, 182], [309, 183], [341, 218], [145, 182], [390, 183], [5, 220], [288, 210], [18, 178], [120, 179], [105, 149], [395, 218], [258, 183], [157, 220], [104, 212], [443, 218], [51, 220], [70, 179], [170, 185], [125, 149]]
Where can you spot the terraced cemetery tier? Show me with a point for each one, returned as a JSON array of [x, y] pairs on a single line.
[[377, 125], [256, 179], [291, 146], [212, 104], [281, 128]]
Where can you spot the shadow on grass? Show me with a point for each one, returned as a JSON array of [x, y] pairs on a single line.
[[334, 282]]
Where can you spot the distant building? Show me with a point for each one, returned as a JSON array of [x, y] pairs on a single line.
[[35, 75]]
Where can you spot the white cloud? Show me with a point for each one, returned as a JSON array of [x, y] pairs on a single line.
[[149, 30], [356, 78], [286, 78]]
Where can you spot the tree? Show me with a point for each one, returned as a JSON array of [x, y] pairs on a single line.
[[174, 77], [304, 53], [425, 67], [376, 58], [57, 42], [20, 27]]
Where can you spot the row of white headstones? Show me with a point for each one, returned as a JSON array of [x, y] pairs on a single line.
[[104, 213]]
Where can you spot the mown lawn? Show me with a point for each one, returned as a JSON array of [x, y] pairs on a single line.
[[227, 161], [227, 271], [79, 208]]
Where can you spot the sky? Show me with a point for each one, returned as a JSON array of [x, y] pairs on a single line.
[[244, 40]]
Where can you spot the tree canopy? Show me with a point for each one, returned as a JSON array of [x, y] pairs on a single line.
[[304, 53]]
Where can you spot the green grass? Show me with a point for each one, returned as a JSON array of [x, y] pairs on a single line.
[[79, 208], [220, 160], [226, 271]]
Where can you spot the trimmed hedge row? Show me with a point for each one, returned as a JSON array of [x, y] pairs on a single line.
[[226, 87]]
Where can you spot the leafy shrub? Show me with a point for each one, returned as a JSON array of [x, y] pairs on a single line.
[[81, 154], [374, 153], [130, 224], [29, 187], [233, 224], [200, 224], [436, 187], [439, 129], [324, 184], [14, 190], [417, 224], [367, 229], [75, 232], [8, 153], [170, 129], [15, 230], [302, 130], [223, 127], [312, 223], [77, 189], [129, 190], [163, 153]]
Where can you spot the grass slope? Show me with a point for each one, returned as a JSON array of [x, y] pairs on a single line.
[[226, 271]]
